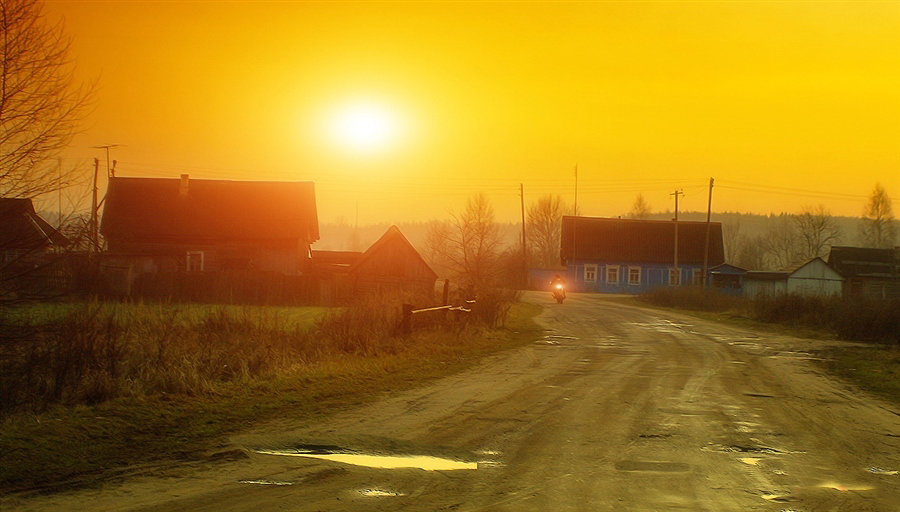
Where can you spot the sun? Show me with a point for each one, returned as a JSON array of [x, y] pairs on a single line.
[[364, 127]]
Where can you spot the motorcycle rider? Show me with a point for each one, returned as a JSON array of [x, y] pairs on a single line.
[[557, 280]]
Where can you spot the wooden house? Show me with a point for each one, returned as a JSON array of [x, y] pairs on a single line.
[[870, 273], [25, 237], [632, 256], [191, 225], [812, 278], [390, 266]]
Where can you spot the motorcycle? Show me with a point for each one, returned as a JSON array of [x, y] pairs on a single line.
[[559, 293]]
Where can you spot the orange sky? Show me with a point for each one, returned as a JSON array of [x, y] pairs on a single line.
[[643, 96]]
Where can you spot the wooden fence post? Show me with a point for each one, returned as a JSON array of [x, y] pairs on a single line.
[[406, 319]]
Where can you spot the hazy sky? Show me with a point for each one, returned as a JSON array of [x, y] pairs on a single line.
[[407, 108]]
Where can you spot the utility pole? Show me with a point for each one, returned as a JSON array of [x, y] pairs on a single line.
[[677, 273], [706, 247], [576, 191], [110, 171], [524, 246], [94, 234]]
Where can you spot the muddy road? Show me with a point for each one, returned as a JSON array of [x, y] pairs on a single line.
[[614, 407]]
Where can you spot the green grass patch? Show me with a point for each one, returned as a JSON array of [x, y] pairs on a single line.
[[76, 444], [873, 368]]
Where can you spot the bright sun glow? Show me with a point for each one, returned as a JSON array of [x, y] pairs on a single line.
[[364, 127]]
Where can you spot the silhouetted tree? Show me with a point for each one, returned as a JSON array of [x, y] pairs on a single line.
[[780, 243], [817, 231], [640, 209], [877, 228], [544, 229], [468, 244], [40, 103]]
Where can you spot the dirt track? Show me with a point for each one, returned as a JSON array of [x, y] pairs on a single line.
[[615, 408]]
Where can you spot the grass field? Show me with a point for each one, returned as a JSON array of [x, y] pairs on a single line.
[[309, 361]]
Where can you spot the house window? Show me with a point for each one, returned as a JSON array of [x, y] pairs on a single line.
[[674, 276], [634, 276], [612, 274], [194, 261], [590, 273]]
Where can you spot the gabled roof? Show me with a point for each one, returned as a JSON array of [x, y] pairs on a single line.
[[639, 241], [164, 208], [25, 229], [726, 268], [865, 261], [391, 236]]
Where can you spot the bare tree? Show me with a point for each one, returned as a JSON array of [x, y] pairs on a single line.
[[468, 245], [877, 228], [40, 102], [544, 229], [780, 243], [640, 209], [817, 231]]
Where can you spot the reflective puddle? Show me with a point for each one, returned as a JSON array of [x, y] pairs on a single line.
[[750, 461], [264, 482], [379, 493], [882, 471], [425, 462], [844, 488]]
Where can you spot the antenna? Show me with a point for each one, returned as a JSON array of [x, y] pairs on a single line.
[[110, 171]]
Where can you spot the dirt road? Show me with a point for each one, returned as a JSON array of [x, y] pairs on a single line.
[[615, 407]]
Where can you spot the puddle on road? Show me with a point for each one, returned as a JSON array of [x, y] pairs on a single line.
[[882, 471], [380, 493], [662, 467], [779, 497], [555, 339], [750, 461], [426, 462], [264, 482], [845, 488]]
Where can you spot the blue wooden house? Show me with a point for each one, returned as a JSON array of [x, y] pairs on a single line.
[[633, 256]]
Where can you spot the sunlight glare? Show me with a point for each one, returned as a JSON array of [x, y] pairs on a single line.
[[364, 127]]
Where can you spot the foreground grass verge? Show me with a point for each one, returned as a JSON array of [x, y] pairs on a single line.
[[79, 445]]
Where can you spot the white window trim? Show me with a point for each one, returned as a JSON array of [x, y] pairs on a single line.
[[187, 263], [594, 269], [608, 269], [638, 283], [677, 277]]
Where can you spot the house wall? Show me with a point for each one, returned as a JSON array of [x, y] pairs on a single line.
[[282, 256], [395, 267], [753, 287], [815, 279], [651, 276]]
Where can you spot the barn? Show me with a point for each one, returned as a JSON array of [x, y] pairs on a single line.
[[390, 266], [812, 278]]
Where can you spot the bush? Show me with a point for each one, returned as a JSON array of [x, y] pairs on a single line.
[[692, 297]]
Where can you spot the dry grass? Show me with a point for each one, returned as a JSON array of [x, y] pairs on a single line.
[[103, 386]]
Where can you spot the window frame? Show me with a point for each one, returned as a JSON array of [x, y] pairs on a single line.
[[592, 269], [636, 282], [677, 274], [187, 262], [612, 269]]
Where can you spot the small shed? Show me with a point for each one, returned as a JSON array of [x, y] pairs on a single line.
[[869, 273], [727, 278], [391, 265], [812, 278]]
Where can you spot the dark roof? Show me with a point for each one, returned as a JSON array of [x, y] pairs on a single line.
[[760, 275], [864, 261], [160, 208], [726, 268], [22, 228], [639, 241], [391, 236], [335, 257]]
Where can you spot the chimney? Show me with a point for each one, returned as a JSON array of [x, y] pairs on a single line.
[[183, 187]]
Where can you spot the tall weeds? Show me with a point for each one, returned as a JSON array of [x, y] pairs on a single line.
[[93, 352], [848, 318]]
